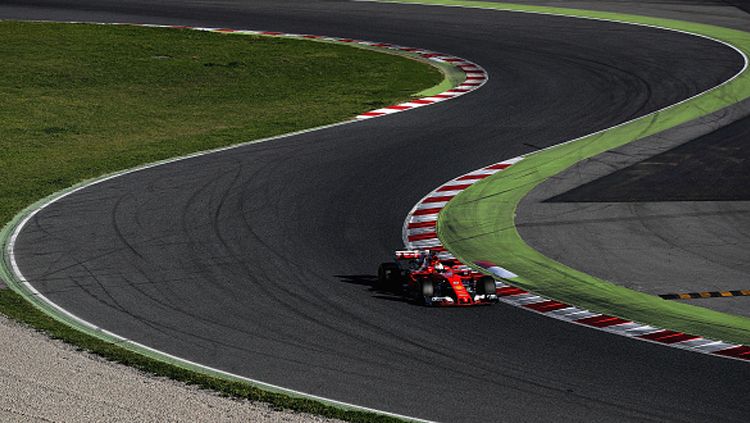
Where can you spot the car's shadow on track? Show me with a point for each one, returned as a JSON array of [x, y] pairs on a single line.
[[370, 281]]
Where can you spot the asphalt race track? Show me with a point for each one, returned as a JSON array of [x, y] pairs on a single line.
[[259, 260]]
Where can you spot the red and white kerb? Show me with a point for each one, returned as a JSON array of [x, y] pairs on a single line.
[[420, 227], [420, 232], [475, 78]]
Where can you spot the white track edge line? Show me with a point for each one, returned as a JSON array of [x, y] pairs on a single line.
[[56, 197]]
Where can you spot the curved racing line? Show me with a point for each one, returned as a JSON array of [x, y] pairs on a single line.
[[418, 232], [474, 77]]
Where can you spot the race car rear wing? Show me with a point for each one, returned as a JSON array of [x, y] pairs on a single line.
[[410, 254]]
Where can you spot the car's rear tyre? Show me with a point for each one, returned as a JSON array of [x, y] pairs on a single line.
[[389, 277], [486, 286]]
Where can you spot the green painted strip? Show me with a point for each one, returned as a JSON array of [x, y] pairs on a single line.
[[479, 223], [453, 77]]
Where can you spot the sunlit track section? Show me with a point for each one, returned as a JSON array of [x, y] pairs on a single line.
[[420, 233]]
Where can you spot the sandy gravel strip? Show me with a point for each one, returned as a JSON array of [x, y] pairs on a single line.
[[49, 381]]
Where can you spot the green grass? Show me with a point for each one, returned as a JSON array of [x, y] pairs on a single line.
[[80, 101], [479, 223]]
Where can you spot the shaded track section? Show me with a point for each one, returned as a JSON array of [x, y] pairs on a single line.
[[713, 167], [259, 260]]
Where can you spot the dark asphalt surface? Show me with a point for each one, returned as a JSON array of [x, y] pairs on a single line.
[[258, 260], [726, 13]]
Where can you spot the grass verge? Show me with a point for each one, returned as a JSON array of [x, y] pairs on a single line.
[[82, 100], [479, 223]]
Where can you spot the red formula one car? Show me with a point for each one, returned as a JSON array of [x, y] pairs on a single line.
[[428, 279]]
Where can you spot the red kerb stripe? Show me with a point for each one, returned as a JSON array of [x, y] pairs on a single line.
[[438, 199], [510, 290], [610, 322], [594, 319], [602, 321], [421, 237], [546, 306], [677, 338], [399, 107], [498, 166], [659, 335], [427, 211], [473, 177], [415, 225], [422, 101], [458, 187], [740, 351]]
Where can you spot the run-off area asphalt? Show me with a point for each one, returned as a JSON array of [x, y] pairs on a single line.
[[674, 222], [259, 260]]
